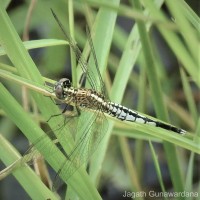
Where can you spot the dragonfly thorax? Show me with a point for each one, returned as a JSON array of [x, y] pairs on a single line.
[[82, 97]]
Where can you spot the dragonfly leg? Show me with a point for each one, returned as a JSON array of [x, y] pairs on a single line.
[[77, 110], [77, 113], [64, 110]]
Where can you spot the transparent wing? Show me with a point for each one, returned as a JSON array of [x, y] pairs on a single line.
[[96, 68], [81, 60], [91, 133], [91, 127], [67, 125]]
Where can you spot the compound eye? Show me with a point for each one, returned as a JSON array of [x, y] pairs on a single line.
[[59, 91], [60, 86], [67, 83], [64, 82]]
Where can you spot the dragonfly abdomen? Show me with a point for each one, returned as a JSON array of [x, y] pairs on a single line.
[[123, 113]]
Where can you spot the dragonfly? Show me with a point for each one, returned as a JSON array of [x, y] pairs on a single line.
[[98, 100], [94, 99]]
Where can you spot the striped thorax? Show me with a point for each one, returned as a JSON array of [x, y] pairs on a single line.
[[81, 97]]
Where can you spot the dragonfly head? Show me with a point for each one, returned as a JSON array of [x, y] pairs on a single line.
[[60, 86]]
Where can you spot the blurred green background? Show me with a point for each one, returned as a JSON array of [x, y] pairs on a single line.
[[158, 77]]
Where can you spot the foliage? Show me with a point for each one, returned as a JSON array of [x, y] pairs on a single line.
[[153, 86]]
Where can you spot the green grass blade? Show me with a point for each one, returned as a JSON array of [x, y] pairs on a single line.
[[158, 170], [26, 177], [191, 15], [175, 43], [191, 103], [105, 20], [34, 44], [26, 68], [186, 29], [159, 105]]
